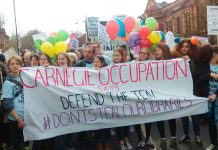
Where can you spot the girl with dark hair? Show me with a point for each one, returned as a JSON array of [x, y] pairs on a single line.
[[122, 132], [34, 60], [162, 52], [46, 144], [44, 60], [103, 135], [99, 62], [144, 54], [212, 55], [189, 52]]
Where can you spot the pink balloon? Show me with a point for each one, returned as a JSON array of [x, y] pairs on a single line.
[[145, 43], [144, 31], [129, 23], [112, 29]]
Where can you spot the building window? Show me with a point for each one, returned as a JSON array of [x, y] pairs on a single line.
[[178, 25], [188, 23], [170, 25], [161, 27]]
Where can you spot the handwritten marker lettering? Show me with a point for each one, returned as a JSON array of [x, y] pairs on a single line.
[[47, 121]]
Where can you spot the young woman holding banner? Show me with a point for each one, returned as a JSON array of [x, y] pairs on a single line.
[[44, 60], [34, 60], [13, 101], [122, 132], [190, 52], [144, 54], [63, 60], [162, 52], [103, 135], [208, 85], [46, 144]]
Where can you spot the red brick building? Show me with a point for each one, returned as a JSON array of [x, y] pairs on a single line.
[[4, 39], [184, 17]]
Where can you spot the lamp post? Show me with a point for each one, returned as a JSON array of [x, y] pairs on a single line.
[[15, 21]]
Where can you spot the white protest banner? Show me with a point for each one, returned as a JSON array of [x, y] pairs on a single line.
[[212, 20], [103, 36], [9, 53], [74, 43], [65, 100], [92, 26]]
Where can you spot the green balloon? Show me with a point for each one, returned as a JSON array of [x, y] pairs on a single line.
[[53, 40], [153, 47], [38, 43], [53, 59], [151, 23], [62, 35]]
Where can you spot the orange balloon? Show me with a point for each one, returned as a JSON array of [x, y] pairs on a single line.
[[125, 38], [194, 41], [53, 34]]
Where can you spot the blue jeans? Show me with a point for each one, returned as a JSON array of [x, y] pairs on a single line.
[[195, 123]]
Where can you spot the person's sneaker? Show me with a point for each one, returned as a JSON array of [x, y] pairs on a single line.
[[122, 147], [128, 145], [113, 132], [172, 142], [184, 139], [163, 144], [149, 143], [198, 141], [211, 147], [140, 146]]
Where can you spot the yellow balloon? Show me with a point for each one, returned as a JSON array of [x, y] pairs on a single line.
[[48, 49], [60, 47], [137, 25], [155, 37]]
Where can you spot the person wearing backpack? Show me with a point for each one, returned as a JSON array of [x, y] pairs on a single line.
[[13, 103]]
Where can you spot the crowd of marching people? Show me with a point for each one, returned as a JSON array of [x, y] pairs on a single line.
[[203, 61]]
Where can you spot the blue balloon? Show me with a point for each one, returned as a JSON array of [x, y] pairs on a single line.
[[177, 40], [122, 31], [162, 36], [142, 22]]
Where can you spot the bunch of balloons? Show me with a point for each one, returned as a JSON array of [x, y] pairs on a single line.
[[136, 32], [54, 44], [122, 28]]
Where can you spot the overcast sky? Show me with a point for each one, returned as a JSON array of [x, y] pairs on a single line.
[[53, 15]]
